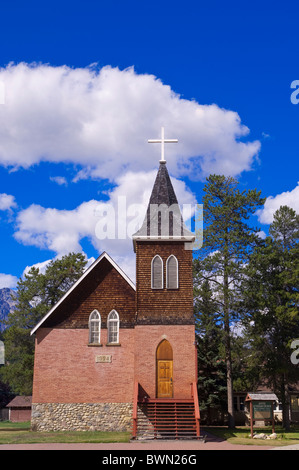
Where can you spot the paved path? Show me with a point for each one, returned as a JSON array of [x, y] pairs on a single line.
[[293, 447]]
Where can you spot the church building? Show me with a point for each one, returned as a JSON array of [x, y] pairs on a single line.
[[115, 356]]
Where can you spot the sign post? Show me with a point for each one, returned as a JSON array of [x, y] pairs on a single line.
[[261, 408]]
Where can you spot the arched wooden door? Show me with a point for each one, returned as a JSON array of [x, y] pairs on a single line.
[[164, 361]]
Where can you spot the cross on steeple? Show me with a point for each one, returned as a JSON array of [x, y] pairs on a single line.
[[162, 141]]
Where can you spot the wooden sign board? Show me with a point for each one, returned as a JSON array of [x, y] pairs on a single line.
[[262, 410]]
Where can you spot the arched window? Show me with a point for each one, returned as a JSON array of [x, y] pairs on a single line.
[[172, 273], [157, 272], [94, 327], [113, 327]]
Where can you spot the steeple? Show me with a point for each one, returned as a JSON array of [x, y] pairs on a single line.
[[163, 192], [163, 219], [163, 247]]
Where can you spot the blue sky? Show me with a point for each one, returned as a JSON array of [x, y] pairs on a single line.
[[87, 83]]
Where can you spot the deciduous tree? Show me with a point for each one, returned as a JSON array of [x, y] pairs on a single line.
[[36, 294]]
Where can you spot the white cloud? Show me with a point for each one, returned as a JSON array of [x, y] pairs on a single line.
[[56, 230], [101, 120], [61, 231], [8, 280], [42, 266], [60, 180], [7, 202], [287, 198], [262, 234], [2, 93]]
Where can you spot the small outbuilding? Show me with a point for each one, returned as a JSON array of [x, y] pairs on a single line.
[[19, 409]]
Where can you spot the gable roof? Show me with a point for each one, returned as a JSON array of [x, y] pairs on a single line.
[[103, 256], [20, 402], [261, 397]]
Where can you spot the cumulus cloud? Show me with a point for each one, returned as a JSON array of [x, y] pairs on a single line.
[[56, 230], [8, 280], [108, 225], [262, 234], [287, 198], [100, 120], [60, 180], [42, 266], [7, 202]]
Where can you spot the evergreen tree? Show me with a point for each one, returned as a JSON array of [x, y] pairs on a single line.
[[36, 294], [271, 303], [227, 243], [211, 364], [5, 392], [246, 375]]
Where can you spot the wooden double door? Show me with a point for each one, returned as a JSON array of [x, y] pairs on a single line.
[[164, 367]]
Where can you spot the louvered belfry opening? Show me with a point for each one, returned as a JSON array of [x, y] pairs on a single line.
[[172, 273], [157, 273]]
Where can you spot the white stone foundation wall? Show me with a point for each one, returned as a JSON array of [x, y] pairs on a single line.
[[81, 416]]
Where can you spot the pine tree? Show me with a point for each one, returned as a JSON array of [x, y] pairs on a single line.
[[211, 364], [227, 242], [36, 294], [271, 302]]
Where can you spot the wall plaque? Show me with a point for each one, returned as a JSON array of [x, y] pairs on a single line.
[[104, 358]]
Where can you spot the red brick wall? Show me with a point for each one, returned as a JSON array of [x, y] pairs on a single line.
[[181, 338], [65, 370], [18, 415]]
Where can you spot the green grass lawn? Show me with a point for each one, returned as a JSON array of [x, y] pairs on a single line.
[[241, 435], [20, 433]]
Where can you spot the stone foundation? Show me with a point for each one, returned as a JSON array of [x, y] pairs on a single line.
[[81, 416]]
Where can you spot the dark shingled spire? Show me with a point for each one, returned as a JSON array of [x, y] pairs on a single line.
[[163, 192], [163, 218]]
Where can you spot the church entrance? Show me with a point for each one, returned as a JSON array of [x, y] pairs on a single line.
[[164, 367]]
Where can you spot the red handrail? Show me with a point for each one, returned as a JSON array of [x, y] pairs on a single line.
[[135, 408], [196, 408]]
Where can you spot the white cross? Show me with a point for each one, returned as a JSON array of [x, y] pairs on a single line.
[[162, 141]]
